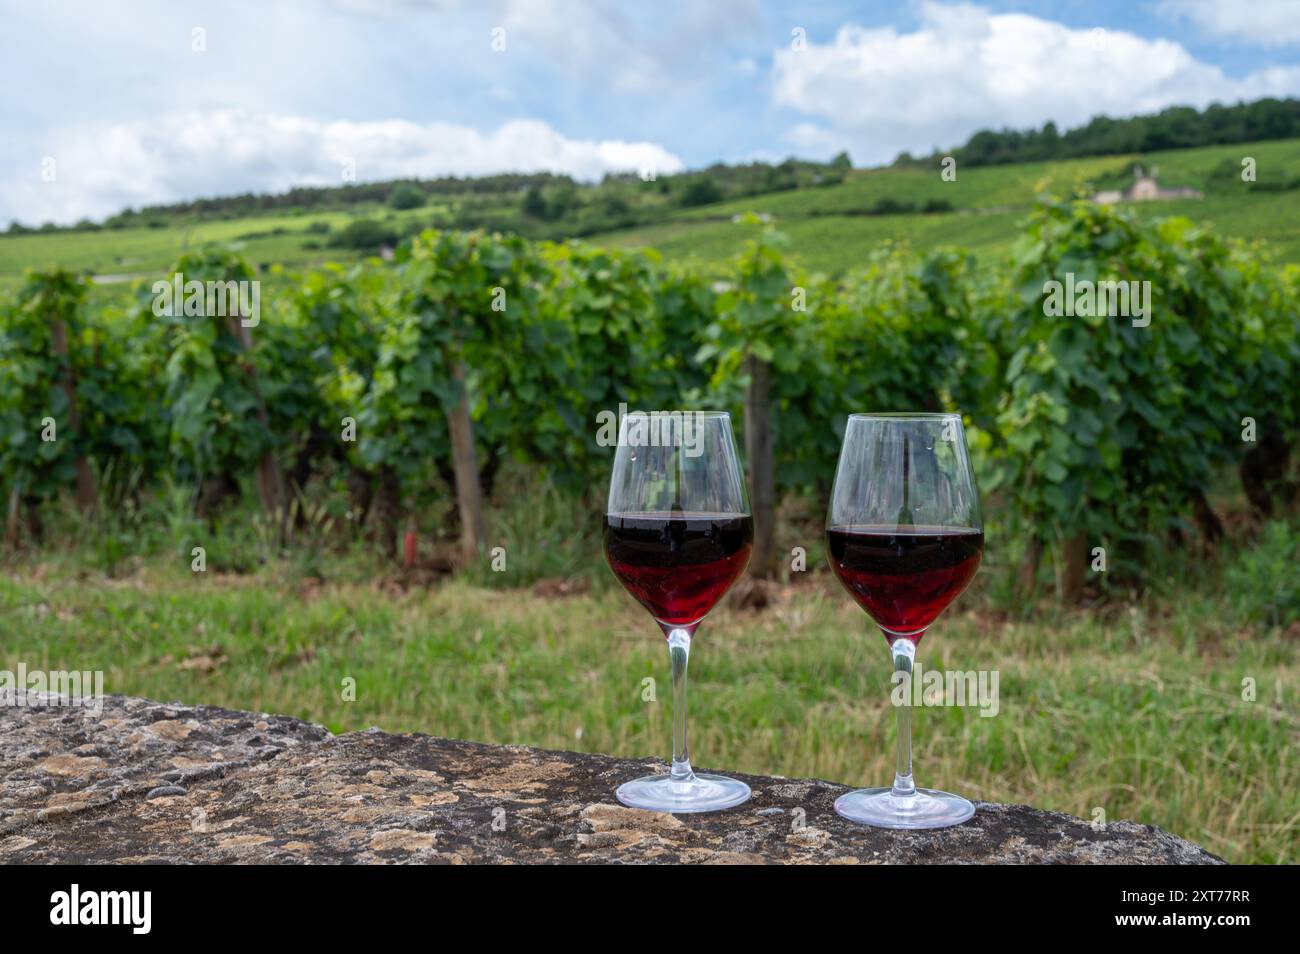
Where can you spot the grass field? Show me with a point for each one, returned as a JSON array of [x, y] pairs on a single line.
[[1136, 710], [828, 227]]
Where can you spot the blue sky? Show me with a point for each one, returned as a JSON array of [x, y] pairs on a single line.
[[147, 101]]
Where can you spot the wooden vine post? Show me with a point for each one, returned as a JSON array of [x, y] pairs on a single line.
[[86, 491], [270, 479], [762, 465], [469, 497], [1074, 567]]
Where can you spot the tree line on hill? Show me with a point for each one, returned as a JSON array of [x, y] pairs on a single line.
[[536, 205], [1178, 127]]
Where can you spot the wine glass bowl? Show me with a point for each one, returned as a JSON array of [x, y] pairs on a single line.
[[677, 564], [904, 577], [904, 536]]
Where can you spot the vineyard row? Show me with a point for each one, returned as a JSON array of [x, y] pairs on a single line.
[[399, 382]]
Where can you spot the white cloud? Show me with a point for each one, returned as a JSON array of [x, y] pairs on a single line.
[[104, 167], [1267, 22], [608, 42], [966, 69]]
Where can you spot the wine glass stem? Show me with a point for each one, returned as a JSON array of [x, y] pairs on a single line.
[[904, 652], [679, 651]]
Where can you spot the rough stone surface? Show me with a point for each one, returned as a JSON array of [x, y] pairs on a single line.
[[149, 782]]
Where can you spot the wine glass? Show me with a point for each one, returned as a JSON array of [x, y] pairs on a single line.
[[678, 532], [904, 535]]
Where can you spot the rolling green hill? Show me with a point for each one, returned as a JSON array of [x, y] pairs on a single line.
[[831, 227], [284, 238]]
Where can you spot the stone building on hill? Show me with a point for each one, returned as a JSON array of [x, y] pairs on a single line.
[[1145, 188]]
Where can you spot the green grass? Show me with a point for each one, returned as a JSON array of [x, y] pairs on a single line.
[[838, 243], [1136, 711], [829, 243]]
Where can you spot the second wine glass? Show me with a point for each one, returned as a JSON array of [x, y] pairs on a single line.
[[904, 535]]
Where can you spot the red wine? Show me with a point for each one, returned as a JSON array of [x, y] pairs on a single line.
[[678, 564], [904, 576]]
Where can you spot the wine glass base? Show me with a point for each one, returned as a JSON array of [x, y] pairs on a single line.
[[926, 809], [699, 793]]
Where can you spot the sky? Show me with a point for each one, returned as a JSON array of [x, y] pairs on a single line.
[[140, 102]]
